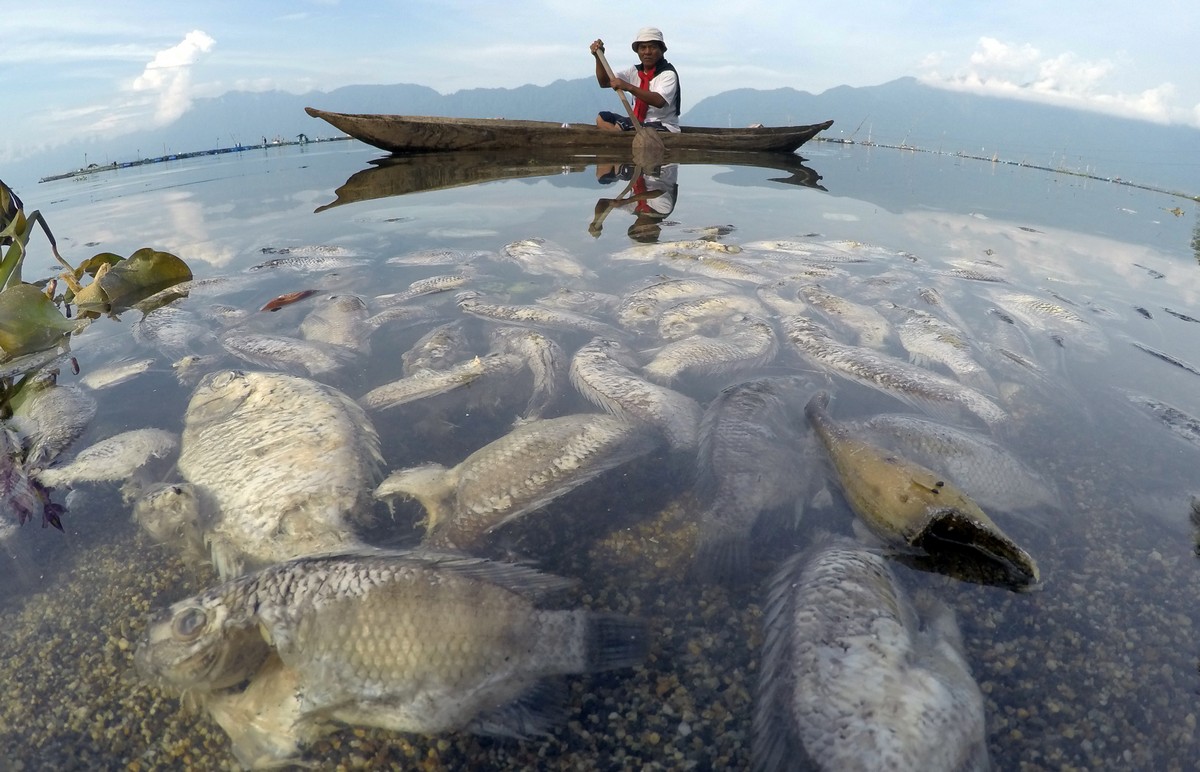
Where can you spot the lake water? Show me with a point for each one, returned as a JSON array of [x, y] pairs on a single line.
[[1096, 669]]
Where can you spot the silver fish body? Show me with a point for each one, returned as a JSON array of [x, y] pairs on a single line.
[[853, 678], [430, 383], [295, 355], [886, 373], [541, 257], [516, 474], [50, 418], [745, 342], [115, 458], [869, 327], [437, 349], [405, 641], [285, 464], [752, 458], [601, 372], [545, 360], [929, 339], [534, 316], [339, 320], [991, 475]]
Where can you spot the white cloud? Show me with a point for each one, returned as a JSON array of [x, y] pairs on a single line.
[[1021, 71], [168, 76]]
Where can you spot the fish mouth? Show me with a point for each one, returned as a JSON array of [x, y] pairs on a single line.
[[955, 544]]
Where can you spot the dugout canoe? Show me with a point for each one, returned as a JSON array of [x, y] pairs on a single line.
[[406, 134]]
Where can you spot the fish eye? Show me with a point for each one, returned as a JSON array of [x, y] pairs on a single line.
[[190, 623]]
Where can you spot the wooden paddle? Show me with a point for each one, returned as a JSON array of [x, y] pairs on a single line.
[[647, 145]]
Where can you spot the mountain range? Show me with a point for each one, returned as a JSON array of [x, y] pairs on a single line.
[[904, 111]]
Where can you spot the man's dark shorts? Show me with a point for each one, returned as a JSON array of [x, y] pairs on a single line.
[[627, 125]]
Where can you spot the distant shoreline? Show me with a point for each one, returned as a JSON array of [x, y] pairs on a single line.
[[1024, 164], [93, 168]]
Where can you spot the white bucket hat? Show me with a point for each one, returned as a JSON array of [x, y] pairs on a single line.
[[649, 35]]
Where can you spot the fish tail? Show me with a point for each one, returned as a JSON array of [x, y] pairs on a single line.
[[615, 641]]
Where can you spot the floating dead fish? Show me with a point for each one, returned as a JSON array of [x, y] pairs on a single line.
[[544, 359], [280, 352], [1177, 315], [540, 257], [116, 373], [439, 257], [428, 286], [580, 301], [430, 383], [520, 472], [1182, 425], [744, 342], [920, 387], [1164, 356], [928, 339], [309, 259], [992, 476], [534, 316], [438, 349], [754, 456], [690, 317], [285, 465], [339, 320], [49, 418], [287, 299], [600, 371], [909, 506], [116, 458], [405, 641], [853, 678], [868, 326], [643, 307], [173, 331]]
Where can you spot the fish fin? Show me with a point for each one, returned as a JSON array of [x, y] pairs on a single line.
[[722, 560], [534, 712], [615, 641]]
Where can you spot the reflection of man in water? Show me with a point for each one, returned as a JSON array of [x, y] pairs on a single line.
[[651, 198]]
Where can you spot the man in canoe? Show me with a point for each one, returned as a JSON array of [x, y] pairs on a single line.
[[653, 83]]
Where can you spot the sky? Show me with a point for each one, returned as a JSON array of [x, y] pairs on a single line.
[[87, 70]]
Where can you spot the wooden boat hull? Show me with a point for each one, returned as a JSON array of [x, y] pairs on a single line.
[[404, 134]]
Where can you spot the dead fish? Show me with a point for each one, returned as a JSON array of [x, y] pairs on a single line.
[[116, 373], [265, 721], [287, 299], [404, 641], [601, 372], [285, 466], [438, 256], [544, 359], [339, 320], [909, 506], [1052, 318], [690, 317], [753, 453], [112, 459], [744, 342], [991, 475], [580, 301], [540, 257], [853, 678], [190, 368], [642, 308], [868, 326], [518, 473], [437, 349], [429, 383], [310, 259], [173, 331], [428, 286], [928, 339], [888, 374], [1164, 356], [280, 352], [663, 249], [1182, 424], [716, 267], [171, 514], [533, 316], [49, 418]]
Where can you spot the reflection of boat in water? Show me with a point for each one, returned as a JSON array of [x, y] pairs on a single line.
[[399, 175], [424, 134]]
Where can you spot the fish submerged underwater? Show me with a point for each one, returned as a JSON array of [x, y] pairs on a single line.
[[409, 641]]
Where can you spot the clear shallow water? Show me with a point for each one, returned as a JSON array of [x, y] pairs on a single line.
[[1097, 670]]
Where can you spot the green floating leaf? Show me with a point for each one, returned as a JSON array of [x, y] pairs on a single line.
[[29, 321], [145, 272]]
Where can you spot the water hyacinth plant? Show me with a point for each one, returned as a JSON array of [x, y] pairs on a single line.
[[36, 323]]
